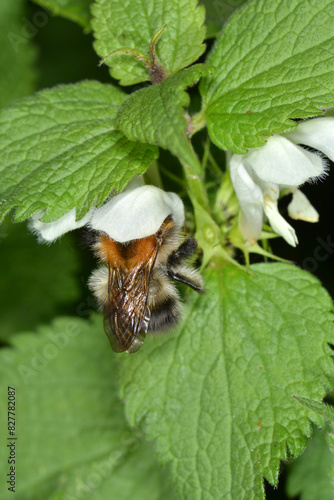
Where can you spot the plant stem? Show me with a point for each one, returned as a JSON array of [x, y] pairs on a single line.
[[193, 175], [197, 122]]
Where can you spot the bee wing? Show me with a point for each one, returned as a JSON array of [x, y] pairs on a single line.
[[126, 315]]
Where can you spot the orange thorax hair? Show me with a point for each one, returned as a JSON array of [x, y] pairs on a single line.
[[125, 255]]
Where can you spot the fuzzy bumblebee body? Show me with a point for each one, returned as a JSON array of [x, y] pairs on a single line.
[[135, 289]]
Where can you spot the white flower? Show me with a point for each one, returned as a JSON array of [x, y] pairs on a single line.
[[301, 209], [259, 175], [135, 213]]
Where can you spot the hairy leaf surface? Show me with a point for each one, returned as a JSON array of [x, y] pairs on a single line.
[[60, 150], [216, 395], [72, 436], [132, 23], [274, 62]]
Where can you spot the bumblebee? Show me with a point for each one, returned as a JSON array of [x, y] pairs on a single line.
[[135, 287]]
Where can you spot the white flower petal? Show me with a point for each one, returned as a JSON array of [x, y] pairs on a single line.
[[301, 209], [282, 162], [250, 223], [250, 198], [317, 133], [246, 189], [137, 213], [278, 223], [50, 231]]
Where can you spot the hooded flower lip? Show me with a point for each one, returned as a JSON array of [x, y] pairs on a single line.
[[133, 214], [259, 175], [317, 133], [50, 231], [137, 213]]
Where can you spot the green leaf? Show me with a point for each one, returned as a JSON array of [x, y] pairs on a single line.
[[58, 496], [17, 55], [155, 114], [330, 441], [216, 14], [72, 436], [132, 23], [36, 279], [309, 474], [216, 395], [60, 150], [274, 62], [323, 409], [75, 10]]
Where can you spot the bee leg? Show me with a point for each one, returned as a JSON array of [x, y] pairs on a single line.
[[185, 250], [187, 276]]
